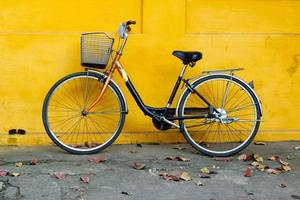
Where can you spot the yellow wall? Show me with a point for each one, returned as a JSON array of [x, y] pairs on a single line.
[[39, 43]]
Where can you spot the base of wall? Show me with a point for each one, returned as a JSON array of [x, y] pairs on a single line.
[[40, 139]]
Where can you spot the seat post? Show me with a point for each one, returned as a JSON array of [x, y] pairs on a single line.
[[176, 86], [183, 70]]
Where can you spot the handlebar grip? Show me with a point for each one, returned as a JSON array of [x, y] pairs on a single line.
[[130, 22]]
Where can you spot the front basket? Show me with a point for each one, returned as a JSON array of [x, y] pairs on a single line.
[[96, 49]]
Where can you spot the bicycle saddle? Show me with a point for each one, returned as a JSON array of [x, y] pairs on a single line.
[[188, 56]]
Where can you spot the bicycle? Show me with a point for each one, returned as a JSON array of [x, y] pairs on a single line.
[[83, 113]]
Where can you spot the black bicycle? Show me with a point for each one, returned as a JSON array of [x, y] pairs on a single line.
[[84, 113]]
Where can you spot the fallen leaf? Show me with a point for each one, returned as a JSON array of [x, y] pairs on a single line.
[[183, 159], [224, 159], [169, 177], [204, 144], [34, 161], [19, 164], [85, 179], [138, 166], [298, 147], [97, 159], [259, 166], [3, 172], [286, 168], [259, 143], [59, 175], [246, 157], [203, 175], [204, 170], [14, 174], [199, 183], [179, 147], [178, 158], [274, 158], [258, 158], [282, 185], [185, 176], [283, 162], [273, 171], [248, 172]]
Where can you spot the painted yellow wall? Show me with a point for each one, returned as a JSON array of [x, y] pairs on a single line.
[[39, 44]]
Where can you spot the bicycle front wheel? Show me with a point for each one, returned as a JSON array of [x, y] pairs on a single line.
[[233, 125], [65, 119]]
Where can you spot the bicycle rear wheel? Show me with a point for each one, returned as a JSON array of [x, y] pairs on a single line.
[[75, 131], [229, 130]]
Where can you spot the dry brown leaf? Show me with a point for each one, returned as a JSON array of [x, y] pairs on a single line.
[[199, 183], [283, 162], [169, 177], [97, 159], [34, 161], [138, 166], [224, 159], [274, 158], [203, 175], [259, 143], [258, 158], [282, 185], [185, 176], [179, 147], [259, 166], [204, 144], [183, 159], [14, 174], [59, 175], [3, 172], [243, 157], [19, 164], [286, 168], [248, 172], [273, 171], [178, 158], [90, 145], [85, 179], [246, 157]]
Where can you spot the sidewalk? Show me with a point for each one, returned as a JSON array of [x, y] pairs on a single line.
[[114, 179]]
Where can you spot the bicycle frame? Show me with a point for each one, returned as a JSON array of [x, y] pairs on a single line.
[[160, 114]]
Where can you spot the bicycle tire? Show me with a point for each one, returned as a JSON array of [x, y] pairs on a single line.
[[203, 146], [86, 148]]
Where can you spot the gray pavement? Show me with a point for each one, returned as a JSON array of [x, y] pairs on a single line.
[[115, 180]]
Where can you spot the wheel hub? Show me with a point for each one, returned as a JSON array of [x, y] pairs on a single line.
[[221, 117]]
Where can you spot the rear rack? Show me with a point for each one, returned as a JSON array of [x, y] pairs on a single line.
[[230, 71]]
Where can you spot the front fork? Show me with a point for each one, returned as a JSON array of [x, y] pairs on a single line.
[[115, 65]]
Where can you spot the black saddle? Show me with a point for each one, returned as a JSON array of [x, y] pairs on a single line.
[[188, 56]]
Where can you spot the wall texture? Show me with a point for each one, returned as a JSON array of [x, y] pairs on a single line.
[[39, 44]]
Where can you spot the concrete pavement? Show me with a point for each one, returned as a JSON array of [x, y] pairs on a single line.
[[115, 179]]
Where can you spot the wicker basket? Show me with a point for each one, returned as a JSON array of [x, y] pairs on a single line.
[[96, 49]]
